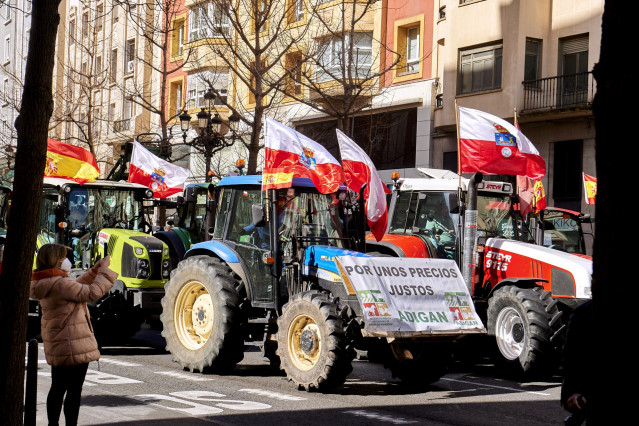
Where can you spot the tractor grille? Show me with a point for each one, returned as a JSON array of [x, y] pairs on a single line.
[[154, 248]]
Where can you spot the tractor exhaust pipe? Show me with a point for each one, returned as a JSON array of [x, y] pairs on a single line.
[[470, 231]]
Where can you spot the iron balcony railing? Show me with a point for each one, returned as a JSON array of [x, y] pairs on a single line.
[[560, 92], [122, 125]]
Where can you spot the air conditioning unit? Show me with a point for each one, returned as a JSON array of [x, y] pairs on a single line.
[[130, 67]]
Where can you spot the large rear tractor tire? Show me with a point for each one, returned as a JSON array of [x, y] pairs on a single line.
[[523, 322], [418, 364], [312, 345], [201, 318]]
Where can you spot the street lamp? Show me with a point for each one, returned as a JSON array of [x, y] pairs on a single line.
[[211, 130]]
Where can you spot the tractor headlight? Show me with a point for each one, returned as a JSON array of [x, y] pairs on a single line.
[[148, 193], [143, 273], [139, 251], [165, 273], [143, 264], [165, 252], [165, 263]]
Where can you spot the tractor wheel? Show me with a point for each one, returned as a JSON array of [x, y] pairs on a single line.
[[201, 318], [417, 364], [311, 343], [520, 320]]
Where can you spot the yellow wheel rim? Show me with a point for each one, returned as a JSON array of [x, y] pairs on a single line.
[[193, 315], [304, 342]]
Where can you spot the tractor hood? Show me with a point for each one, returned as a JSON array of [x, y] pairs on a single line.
[[569, 275], [320, 261]]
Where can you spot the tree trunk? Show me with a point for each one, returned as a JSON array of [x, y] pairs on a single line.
[[32, 126], [613, 258]]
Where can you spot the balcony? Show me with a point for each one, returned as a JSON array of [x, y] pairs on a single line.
[[571, 91], [122, 125]]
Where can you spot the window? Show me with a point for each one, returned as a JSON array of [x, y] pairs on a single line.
[[295, 10], [7, 49], [5, 90], [412, 50], [480, 69], [208, 20], [85, 24], [294, 71], [442, 12], [72, 31], [198, 84], [98, 65], [127, 109], [259, 16], [115, 13], [567, 186], [99, 17], [532, 62], [177, 38], [114, 66], [7, 11], [175, 99], [332, 56], [574, 70], [129, 57], [28, 6]]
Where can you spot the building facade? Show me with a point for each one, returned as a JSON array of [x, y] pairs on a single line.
[[535, 58]]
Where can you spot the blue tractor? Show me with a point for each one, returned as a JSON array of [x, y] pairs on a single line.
[[268, 278]]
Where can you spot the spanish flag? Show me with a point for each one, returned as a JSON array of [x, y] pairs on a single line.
[[590, 188], [70, 162]]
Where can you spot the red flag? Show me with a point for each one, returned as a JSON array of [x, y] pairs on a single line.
[[70, 162], [531, 195], [540, 196], [491, 145], [360, 170], [162, 177], [288, 153]]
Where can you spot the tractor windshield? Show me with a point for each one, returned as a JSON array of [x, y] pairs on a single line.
[[306, 214], [562, 231], [493, 215], [97, 208]]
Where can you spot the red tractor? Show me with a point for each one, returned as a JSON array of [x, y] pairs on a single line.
[[524, 291]]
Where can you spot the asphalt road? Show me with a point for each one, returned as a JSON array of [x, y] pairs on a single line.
[[139, 384]]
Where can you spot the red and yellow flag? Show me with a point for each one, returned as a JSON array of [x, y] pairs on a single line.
[[70, 162], [590, 188]]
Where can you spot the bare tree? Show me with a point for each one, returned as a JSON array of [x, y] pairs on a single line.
[[337, 70], [32, 126], [242, 42], [162, 34]]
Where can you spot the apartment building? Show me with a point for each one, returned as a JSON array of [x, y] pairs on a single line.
[[534, 57], [15, 26], [104, 85]]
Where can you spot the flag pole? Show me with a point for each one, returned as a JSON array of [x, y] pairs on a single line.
[[459, 189]]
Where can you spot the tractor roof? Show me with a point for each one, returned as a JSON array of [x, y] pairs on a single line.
[[57, 182], [256, 180]]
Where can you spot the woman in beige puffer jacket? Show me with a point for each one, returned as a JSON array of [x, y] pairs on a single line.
[[67, 334]]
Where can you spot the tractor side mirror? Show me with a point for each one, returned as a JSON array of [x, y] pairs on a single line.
[[180, 200], [190, 195], [257, 212]]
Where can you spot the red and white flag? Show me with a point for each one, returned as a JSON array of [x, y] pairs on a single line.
[[360, 170], [162, 177], [288, 153], [532, 197], [491, 145]]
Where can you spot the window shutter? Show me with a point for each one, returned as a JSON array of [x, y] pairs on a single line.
[[574, 45]]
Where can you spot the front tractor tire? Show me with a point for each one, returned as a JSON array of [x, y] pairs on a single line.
[[418, 364], [311, 343], [521, 322], [201, 318]]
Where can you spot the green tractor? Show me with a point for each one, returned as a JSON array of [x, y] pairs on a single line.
[[195, 217], [100, 218]]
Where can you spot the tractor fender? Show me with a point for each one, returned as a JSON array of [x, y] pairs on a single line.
[[517, 282], [173, 241], [226, 254], [384, 248]]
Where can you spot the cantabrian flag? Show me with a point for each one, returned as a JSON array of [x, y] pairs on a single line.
[[164, 178], [289, 154], [70, 162], [590, 188], [491, 145]]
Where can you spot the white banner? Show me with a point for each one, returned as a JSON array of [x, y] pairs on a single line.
[[410, 295]]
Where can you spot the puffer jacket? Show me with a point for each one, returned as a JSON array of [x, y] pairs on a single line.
[[67, 333]]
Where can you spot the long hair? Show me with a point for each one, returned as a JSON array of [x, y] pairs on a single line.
[[49, 255]]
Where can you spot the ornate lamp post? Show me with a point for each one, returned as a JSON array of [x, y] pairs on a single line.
[[211, 131]]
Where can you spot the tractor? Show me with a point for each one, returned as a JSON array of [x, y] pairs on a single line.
[[105, 217], [523, 291], [268, 277]]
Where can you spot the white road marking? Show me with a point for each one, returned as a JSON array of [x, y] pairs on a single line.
[[496, 387], [119, 362], [47, 374], [272, 394], [102, 378], [187, 405], [184, 376], [380, 417]]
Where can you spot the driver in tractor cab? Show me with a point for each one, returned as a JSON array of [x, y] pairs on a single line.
[[440, 226]]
